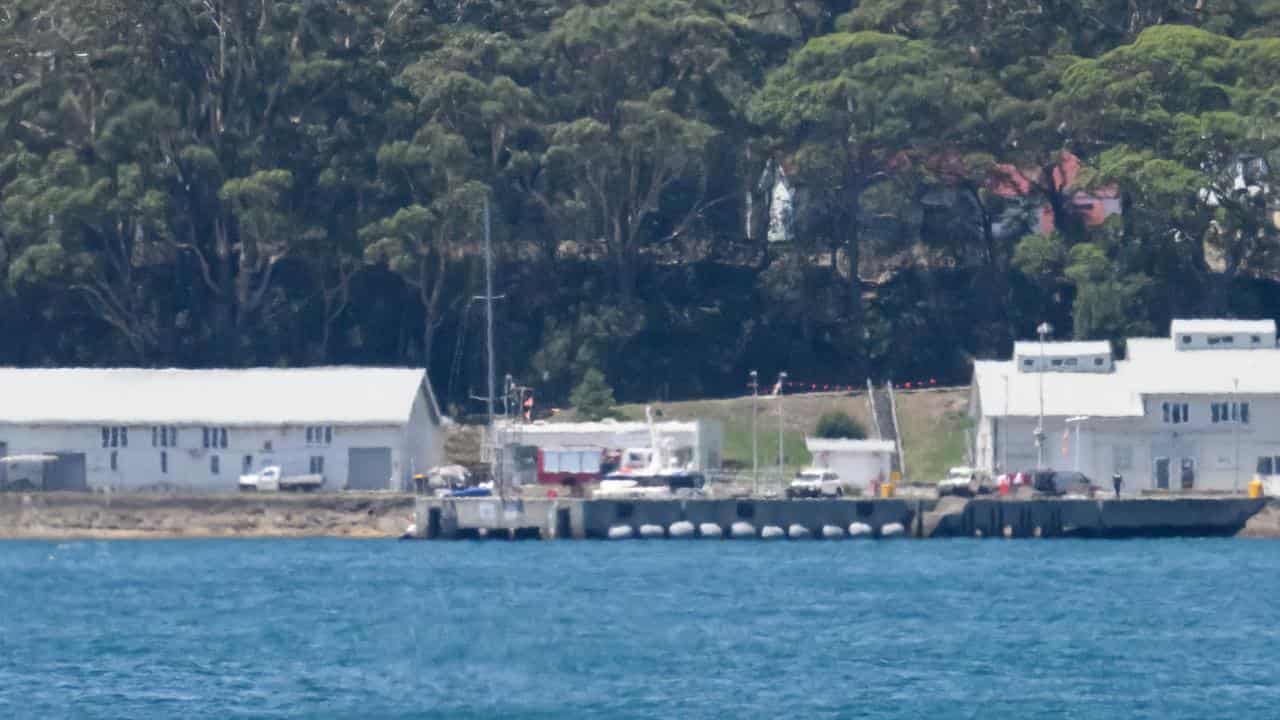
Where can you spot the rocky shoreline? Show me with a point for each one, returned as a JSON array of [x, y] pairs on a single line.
[[58, 516]]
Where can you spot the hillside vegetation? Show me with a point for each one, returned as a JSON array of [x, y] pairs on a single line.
[[678, 190], [933, 426]]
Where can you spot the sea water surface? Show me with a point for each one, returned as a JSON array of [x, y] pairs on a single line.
[[379, 629]]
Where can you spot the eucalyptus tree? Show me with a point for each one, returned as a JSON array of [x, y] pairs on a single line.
[[1183, 121], [853, 110]]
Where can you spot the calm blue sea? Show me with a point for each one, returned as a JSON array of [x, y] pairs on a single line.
[[379, 629]]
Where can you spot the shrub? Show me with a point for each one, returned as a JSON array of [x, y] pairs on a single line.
[[840, 425]]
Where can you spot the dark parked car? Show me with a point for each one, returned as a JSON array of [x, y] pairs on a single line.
[[1062, 482]]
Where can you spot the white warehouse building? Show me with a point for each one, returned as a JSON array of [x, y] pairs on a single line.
[[1198, 410], [136, 429]]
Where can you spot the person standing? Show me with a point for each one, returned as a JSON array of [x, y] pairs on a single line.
[[1116, 482]]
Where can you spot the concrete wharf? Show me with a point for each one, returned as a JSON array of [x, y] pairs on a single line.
[[748, 518]]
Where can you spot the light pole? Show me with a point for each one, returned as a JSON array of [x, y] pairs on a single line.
[[755, 450], [782, 389], [1235, 415], [1077, 421], [1004, 440], [1042, 330]]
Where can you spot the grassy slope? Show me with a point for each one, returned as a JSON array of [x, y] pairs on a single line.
[[933, 425]]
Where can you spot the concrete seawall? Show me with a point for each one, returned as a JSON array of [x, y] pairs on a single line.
[[1113, 518], [438, 518]]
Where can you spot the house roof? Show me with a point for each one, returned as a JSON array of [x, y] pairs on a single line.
[[242, 397], [850, 446], [1098, 394], [1030, 348], [1153, 367], [1222, 325]]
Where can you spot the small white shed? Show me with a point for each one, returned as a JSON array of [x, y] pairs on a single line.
[[857, 462]]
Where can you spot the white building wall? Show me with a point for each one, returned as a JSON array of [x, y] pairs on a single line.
[[856, 469], [189, 464], [1224, 455]]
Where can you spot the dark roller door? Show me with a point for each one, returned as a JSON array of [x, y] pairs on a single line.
[[368, 468], [66, 473]]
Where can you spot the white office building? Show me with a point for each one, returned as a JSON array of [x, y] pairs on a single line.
[[1198, 410], [127, 429]]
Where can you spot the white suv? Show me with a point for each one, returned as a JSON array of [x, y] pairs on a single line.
[[815, 482]]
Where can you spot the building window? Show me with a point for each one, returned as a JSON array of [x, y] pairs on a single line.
[[214, 437], [1269, 465], [164, 436], [1070, 362], [247, 465], [215, 466], [1175, 413], [1028, 362], [1229, 412], [1056, 362], [164, 461], [266, 446], [1228, 339], [115, 437], [173, 436], [319, 434], [1255, 339], [115, 460], [317, 464], [1097, 362], [1186, 339], [155, 436]]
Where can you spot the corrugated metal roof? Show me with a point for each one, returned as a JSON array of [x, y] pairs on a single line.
[[1222, 326], [1154, 367], [1057, 349], [1099, 394], [241, 397], [849, 446]]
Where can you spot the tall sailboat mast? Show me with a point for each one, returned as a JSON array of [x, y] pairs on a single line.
[[495, 444]]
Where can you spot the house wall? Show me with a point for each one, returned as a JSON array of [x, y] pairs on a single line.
[[1224, 455], [189, 464], [423, 439], [1223, 340]]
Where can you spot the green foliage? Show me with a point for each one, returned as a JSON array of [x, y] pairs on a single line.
[[289, 182], [592, 398], [839, 425]]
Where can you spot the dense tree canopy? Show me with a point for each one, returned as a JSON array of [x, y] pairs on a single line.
[[284, 182]]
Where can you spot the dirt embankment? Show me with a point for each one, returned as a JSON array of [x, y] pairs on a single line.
[[90, 515]]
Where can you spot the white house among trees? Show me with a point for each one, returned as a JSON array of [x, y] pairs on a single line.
[[361, 428]]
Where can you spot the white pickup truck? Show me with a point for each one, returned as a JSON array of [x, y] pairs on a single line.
[[269, 479]]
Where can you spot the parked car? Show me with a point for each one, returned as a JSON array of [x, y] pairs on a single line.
[[815, 482], [270, 479], [963, 482], [1062, 482]]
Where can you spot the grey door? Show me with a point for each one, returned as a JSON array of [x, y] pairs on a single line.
[[66, 473], [1162, 473], [1188, 474], [368, 468]]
